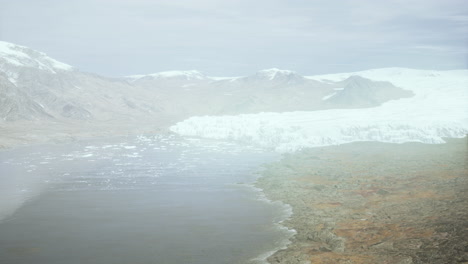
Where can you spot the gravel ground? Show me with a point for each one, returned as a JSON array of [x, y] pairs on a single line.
[[371, 202]]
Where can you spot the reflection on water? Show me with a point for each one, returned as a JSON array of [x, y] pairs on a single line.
[[156, 199]]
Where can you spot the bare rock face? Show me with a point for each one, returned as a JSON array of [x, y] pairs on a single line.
[[17, 105]]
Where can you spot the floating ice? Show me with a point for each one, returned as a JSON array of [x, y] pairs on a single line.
[[129, 147]]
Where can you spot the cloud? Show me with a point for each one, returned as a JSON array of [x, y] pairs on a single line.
[[120, 37]]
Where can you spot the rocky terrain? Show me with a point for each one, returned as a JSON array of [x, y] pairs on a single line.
[[368, 202]]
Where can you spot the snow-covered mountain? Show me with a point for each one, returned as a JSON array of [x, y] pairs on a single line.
[[14, 59], [189, 93], [437, 110], [269, 75], [35, 86], [275, 76]]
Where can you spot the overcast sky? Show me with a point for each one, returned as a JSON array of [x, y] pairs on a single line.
[[239, 37]]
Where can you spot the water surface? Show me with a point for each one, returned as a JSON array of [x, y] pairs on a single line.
[[136, 200]]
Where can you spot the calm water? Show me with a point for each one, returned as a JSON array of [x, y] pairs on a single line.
[[135, 200]]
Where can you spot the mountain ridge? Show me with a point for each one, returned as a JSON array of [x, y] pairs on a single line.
[[40, 89]]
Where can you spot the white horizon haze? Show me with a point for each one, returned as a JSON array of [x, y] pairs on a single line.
[[237, 38]]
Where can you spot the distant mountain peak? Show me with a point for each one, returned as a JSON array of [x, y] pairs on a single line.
[[274, 73], [275, 76], [19, 56], [192, 74], [171, 75]]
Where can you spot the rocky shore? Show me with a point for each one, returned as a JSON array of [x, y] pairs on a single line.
[[371, 202]]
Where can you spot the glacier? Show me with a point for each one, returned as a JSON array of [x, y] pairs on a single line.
[[438, 110]]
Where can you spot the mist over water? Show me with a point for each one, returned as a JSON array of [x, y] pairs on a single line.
[[139, 199]]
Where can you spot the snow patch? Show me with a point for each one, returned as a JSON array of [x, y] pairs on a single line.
[[326, 97], [224, 78]]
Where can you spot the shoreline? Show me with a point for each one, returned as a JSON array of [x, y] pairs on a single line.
[[371, 202], [278, 222]]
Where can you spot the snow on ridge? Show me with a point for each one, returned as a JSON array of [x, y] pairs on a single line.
[[20, 56], [187, 75], [192, 74], [437, 110], [273, 72], [224, 78], [134, 77], [269, 74]]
